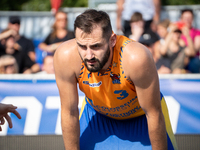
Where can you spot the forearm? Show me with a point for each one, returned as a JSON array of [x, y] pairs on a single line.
[[35, 68], [157, 132], [44, 47], [157, 5], [191, 50], [165, 46], [71, 131], [119, 13]]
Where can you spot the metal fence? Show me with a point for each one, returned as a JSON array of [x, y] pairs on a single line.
[[37, 25]]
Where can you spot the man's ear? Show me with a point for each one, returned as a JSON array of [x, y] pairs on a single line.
[[113, 39]]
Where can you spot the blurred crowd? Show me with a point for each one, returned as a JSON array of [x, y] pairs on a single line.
[[17, 53], [175, 46]]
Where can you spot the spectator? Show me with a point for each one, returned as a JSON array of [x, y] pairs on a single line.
[[24, 44], [162, 65], [4, 110], [150, 10], [25, 64], [8, 65], [47, 66], [175, 50], [187, 18], [162, 30], [137, 26], [6, 34], [138, 30], [58, 35]]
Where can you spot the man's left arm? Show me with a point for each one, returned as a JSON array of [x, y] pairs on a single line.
[[144, 75]]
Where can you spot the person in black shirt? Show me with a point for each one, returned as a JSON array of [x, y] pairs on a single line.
[[25, 44], [58, 35], [25, 64]]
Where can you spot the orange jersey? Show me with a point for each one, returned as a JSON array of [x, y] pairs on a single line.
[[111, 93]]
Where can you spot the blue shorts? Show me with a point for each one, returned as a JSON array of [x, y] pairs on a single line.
[[98, 132]]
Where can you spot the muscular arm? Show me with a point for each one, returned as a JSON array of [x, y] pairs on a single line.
[[64, 64], [144, 76]]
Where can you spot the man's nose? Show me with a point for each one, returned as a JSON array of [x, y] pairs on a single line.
[[89, 54]]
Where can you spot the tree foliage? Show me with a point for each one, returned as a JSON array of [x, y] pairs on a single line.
[[180, 2], [45, 5], [37, 5]]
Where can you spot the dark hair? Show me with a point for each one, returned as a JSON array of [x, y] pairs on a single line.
[[14, 19], [187, 10], [91, 17], [137, 16]]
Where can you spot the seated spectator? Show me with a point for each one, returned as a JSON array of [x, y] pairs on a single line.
[[187, 18], [4, 35], [175, 50], [25, 64], [47, 66], [8, 65], [137, 26], [162, 64], [24, 44], [162, 30], [58, 35], [138, 30], [150, 10]]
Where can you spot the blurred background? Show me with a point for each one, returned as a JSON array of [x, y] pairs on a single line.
[[31, 30]]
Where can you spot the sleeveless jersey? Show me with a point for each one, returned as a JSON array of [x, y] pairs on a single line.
[[111, 93]]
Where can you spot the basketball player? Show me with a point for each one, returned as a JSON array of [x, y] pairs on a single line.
[[123, 107]]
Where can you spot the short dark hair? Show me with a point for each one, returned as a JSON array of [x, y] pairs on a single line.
[[137, 16], [14, 19], [187, 10], [91, 17]]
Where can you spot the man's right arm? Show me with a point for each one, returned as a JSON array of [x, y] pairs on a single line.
[[67, 85]]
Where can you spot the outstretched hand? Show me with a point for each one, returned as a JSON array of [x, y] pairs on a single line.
[[4, 110]]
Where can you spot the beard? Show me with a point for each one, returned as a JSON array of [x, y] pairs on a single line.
[[98, 64]]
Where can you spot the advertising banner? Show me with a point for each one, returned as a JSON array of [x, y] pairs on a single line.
[[38, 103]]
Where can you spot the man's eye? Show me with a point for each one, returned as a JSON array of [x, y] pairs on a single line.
[[96, 46], [82, 46]]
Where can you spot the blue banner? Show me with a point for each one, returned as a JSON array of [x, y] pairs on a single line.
[[38, 103]]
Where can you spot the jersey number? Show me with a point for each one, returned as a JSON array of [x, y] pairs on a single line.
[[123, 94]]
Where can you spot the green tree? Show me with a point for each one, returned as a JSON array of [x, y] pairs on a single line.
[[12, 4], [180, 2], [37, 5]]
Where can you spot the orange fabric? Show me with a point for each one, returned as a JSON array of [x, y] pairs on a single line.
[[111, 93]]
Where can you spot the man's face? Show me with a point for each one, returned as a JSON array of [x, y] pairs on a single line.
[[187, 18], [48, 65], [61, 20], [10, 45], [14, 26], [93, 49]]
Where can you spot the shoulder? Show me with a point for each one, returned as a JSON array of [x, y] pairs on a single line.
[[67, 59], [137, 61], [24, 39]]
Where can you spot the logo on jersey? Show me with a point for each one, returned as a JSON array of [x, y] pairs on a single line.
[[92, 84], [115, 78]]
